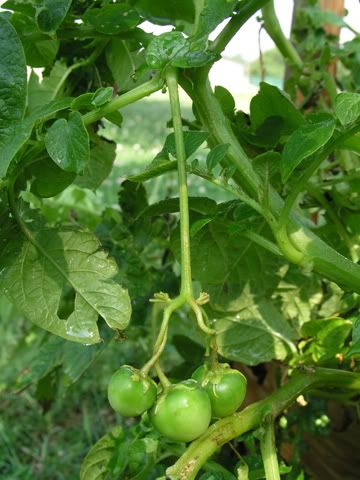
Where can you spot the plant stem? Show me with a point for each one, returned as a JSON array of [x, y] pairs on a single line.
[[165, 382], [273, 28], [245, 11], [186, 279], [226, 429], [323, 258], [121, 101], [268, 450], [162, 336]]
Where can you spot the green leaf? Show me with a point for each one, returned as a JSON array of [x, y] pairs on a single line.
[[102, 156], [329, 336], [13, 90], [226, 100], [95, 464], [41, 51], [54, 352], [49, 179], [67, 143], [305, 141], [216, 155], [272, 102], [51, 13], [228, 265], [173, 48], [34, 279], [112, 19], [115, 118], [212, 14], [167, 11], [102, 96], [352, 143], [192, 140], [128, 67], [347, 107], [257, 324], [41, 93], [22, 131]]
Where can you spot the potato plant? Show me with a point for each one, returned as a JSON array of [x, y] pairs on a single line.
[[266, 277]]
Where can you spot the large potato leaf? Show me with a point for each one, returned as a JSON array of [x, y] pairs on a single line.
[[36, 278], [12, 87], [225, 262], [256, 334]]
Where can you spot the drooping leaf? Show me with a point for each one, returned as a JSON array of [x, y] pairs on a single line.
[[216, 155], [256, 334], [225, 99], [34, 279], [49, 179], [51, 13], [272, 102], [102, 156], [305, 141], [112, 18], [95, 464], [67, 143], [347, 107]]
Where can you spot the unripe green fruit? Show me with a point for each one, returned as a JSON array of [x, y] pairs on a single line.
[[130, 393], [183, 412], [225, 386]]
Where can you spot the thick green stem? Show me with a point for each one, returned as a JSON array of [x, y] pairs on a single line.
[[186, 279], [323, 258], [121, 101], [268, 449], [273, 28], [226, 429]]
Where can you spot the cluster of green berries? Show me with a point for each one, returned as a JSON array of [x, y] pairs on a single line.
[[183, 411]]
